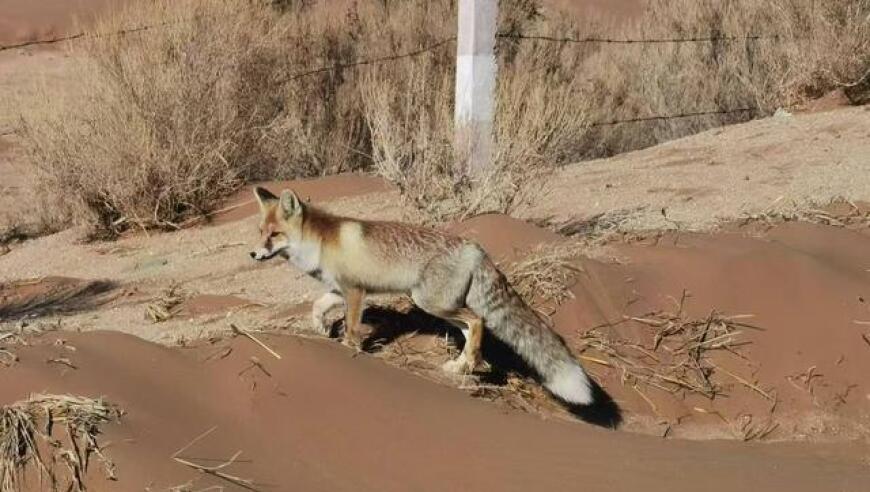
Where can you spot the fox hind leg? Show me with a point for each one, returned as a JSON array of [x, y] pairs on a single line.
[[470, 357], [442, 291]]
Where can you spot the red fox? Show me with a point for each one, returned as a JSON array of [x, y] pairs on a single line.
[[447, 276]]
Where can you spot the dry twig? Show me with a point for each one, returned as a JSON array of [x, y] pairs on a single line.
[[241, 331], [214, 470]]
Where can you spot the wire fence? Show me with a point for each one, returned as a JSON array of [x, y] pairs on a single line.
[[600, 40], [448, 41]]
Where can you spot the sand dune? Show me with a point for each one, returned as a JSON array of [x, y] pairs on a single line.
[[322, 420]]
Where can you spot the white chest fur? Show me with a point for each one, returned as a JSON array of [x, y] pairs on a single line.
[[305, 255]]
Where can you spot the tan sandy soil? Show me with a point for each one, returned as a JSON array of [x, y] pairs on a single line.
[[773, 164], [29, 20], [204, 261], [600, 9], [319, 419]]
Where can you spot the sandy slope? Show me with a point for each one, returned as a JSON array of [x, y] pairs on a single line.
[[774, 164], [322, 420]]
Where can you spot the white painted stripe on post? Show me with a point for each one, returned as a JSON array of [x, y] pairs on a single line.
[[475, 102], [476, 72]]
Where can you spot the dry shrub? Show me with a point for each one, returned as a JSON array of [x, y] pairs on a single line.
[[159, 124], [409, 108], [804, 49]]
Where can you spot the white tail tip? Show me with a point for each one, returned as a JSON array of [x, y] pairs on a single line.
[[571, 384]]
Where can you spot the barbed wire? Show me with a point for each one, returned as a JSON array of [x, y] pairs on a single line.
[[589, 40], [600, 40], [371, 61], [674, 116], [121, 32], [84, 35], [643, 119]]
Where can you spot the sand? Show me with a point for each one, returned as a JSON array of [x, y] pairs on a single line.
[[608, 10], [322, 420], [26, 20], [777, 164]]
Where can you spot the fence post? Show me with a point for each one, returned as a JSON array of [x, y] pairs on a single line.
[[475, 85]]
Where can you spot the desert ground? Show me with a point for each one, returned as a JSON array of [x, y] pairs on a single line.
[[718, 293]]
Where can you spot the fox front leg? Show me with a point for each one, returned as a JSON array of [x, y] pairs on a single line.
[[321, 307], [353, 300]]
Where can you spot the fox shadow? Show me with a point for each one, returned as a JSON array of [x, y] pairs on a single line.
[[388, 325]]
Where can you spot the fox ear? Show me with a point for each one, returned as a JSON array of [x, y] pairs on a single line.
[[264, 197], [290, 204]]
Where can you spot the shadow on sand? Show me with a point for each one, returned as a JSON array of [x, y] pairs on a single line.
[[388, 325], [51, 295]]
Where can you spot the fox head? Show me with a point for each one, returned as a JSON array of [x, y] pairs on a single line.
[[280, 223]]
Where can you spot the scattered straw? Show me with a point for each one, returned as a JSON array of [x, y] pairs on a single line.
[[598, 229], [62, 361], [214, 471], [748, 430], [676, 356], [166, 305], [26, 439], [752, 386], [852, 217], [545, 277]]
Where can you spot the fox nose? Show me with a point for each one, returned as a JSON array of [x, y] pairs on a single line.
[[253, 255]]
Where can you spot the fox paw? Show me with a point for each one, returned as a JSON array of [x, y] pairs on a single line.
[[320, 327], [352, 342], [459, 366]]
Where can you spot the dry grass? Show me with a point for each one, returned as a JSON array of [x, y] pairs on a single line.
[[545, 276], [159, 125], [676, 357], [840, 213], [27, 440], [213, 470], [812, 47]]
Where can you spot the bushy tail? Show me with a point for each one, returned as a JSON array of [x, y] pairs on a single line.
[[513, 322]]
